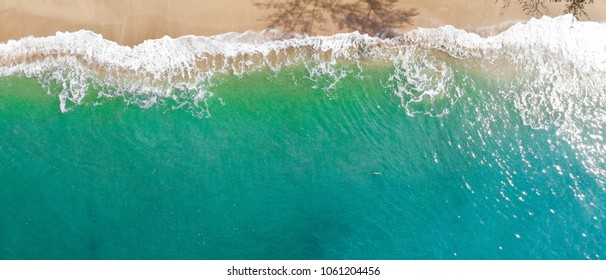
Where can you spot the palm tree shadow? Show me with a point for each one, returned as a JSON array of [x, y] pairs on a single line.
[[374, 17]]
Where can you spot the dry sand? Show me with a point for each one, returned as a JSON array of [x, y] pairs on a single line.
[[130, 22]]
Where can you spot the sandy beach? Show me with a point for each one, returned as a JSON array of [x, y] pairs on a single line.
[[130, 22]]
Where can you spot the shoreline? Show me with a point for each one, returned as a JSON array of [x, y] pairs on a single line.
[[131, 22], [189, 59]]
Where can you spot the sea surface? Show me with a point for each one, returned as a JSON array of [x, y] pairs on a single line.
[[439, 144]]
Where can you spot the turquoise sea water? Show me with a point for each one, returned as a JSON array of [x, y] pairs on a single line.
[[285, 165]]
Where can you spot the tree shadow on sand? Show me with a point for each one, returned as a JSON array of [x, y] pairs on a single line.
[[375, 17], [538, 8]]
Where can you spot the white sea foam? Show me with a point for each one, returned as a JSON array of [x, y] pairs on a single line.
[[583, 44], [190, 60], [551, 69], [153, 67], [537, 48]]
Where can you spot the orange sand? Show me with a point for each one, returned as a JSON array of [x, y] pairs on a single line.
[[130, 22]]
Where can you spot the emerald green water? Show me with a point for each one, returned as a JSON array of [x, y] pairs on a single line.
[[281, 170]]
